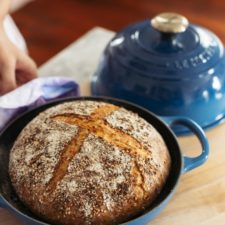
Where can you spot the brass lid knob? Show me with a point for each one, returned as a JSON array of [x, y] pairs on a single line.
[[170, 23]]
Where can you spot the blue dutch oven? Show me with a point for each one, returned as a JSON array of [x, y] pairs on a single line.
[[180, 164], [168, 66]]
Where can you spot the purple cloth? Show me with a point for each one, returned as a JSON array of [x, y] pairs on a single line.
[[33, 94]]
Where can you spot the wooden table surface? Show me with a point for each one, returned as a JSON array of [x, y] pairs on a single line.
[[200, 197]]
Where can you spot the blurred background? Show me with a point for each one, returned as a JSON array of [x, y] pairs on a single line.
[[49, 26]]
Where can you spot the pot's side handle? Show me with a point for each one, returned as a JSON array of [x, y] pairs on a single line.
[[192, 162]]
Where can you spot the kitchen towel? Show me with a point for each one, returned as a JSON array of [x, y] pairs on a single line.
[[33, 94]]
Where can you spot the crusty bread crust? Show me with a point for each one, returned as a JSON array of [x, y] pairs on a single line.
[[86, 162]]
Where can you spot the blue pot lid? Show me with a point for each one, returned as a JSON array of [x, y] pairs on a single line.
[[168, 66], [167, 47]]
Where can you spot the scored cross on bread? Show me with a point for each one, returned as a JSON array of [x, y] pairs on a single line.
[[95, 124]]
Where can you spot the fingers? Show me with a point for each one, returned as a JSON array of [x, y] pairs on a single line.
[[14, 65], [7, 77], [13, 74], [26, 69]]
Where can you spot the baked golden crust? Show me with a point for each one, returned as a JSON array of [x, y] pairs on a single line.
[[87, 162]]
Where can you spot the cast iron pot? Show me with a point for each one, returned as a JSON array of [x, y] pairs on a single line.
[[180, 164], [168, 66]]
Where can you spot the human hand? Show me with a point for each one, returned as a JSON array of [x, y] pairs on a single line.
[[16, 67]]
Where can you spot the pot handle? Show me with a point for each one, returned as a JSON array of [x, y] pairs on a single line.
[[191, 163]]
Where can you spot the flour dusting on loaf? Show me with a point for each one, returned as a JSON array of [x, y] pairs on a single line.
[[87, 162]]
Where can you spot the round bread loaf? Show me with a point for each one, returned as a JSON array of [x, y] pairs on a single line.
[[88, 162]]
